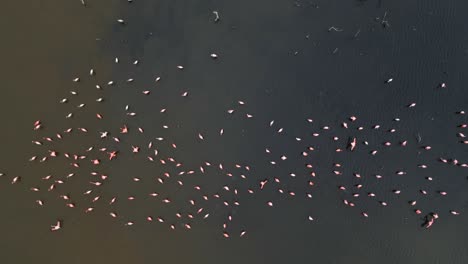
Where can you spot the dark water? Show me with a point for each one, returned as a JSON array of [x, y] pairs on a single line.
[[332, 76]]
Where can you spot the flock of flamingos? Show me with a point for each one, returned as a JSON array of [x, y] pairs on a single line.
[[102, 154]]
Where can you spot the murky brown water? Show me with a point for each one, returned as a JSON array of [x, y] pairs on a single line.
[[46, 44]]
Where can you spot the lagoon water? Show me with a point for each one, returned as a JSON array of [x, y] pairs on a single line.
[[280, 58]]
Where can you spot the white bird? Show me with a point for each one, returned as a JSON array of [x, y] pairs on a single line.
[[57, 226], [216, 16], [104, 134], [15, 179]]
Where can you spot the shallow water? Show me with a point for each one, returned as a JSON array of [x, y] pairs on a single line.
[[47, 44]]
